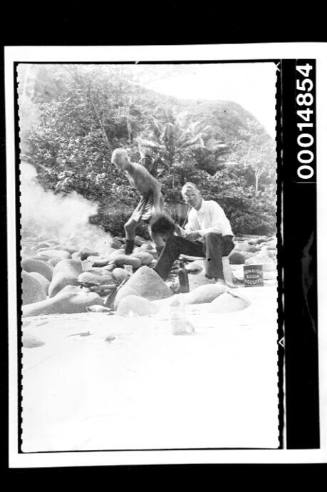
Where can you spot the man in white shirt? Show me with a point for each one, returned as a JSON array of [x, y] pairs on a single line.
[[207, 234]]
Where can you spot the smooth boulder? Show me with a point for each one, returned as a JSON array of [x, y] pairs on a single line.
[[84, 253], [70, 300], [195, 266], [145, 257], [204, 294], [119, 274], [66, 272], [122, 259], [138, 240], [39, 266], [31, 341], [54, 261], [56, 254], [98, 261], [236, 258], [242, 246], [115, 243], [96, 277], [228, 302], [145, 282], [146, 247], [32, 289], [43, 281], [136, 306], [262, 258]]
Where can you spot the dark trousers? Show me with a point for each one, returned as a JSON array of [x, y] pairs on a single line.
[[214, 247]]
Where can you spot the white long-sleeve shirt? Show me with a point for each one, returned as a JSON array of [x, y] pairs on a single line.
[[209, 218]]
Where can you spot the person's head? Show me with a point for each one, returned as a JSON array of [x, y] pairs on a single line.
[[162, 225], [120, 159], [192, 195]]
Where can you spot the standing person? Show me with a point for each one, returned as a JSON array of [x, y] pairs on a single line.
[[207, 234], [148, 187]]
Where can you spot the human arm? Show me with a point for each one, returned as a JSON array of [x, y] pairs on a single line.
[[192, 227]]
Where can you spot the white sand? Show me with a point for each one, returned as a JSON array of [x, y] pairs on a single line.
[[148, 388]]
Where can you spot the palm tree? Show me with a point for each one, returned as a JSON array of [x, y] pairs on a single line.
[[171, 135]]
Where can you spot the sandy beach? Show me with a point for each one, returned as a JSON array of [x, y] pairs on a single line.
[[104, 382]]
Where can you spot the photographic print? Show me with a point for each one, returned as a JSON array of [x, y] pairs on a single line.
[[150, 253]]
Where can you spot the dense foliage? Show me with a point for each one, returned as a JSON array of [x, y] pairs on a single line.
[[73, 116]]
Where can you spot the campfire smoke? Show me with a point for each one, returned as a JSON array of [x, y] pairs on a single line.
[[46, 216]]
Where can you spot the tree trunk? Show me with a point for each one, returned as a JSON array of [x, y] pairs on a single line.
[[257, 176], [256, 182]]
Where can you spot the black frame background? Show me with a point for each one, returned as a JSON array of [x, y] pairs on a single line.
[[299, 224]]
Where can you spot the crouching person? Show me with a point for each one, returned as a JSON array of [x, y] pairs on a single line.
[[207, 234], [148, 188]]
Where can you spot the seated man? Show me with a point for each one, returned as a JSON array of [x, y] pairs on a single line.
[[147, 186], [207, 234]]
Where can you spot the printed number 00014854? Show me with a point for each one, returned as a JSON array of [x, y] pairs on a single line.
[[305, 139]]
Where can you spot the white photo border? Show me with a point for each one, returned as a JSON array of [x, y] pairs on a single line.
[[204, 53]]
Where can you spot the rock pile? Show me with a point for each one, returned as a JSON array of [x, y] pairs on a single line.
[[60, 278]]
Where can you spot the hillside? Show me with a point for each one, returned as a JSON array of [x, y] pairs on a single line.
[[73, 116]]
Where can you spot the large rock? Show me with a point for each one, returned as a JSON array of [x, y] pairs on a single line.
[[44, 245], [43, 281], [196, 279], [122, 259], [114, 253], [138, 241], [33, 290], [145, 257], [136, 306], [204, 293], [236, 258], [146, 247], [96, 277], [57, 254], [31, 341], [242, 246], [98, 261], [54, 261], [70, 300], [272, 243], [195, 266], [228, 302], [115, 243], [84, 253], [144, 283], [262, 258], [119, 274], [253, 249], [66, 272], [35, 265]]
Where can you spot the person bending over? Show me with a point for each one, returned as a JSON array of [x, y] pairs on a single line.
[[207, 234], [148, 187]]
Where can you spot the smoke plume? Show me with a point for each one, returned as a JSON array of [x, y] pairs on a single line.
[[46, 216]]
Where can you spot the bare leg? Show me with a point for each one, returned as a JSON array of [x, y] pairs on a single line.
[[130, 228], [228, 274]]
